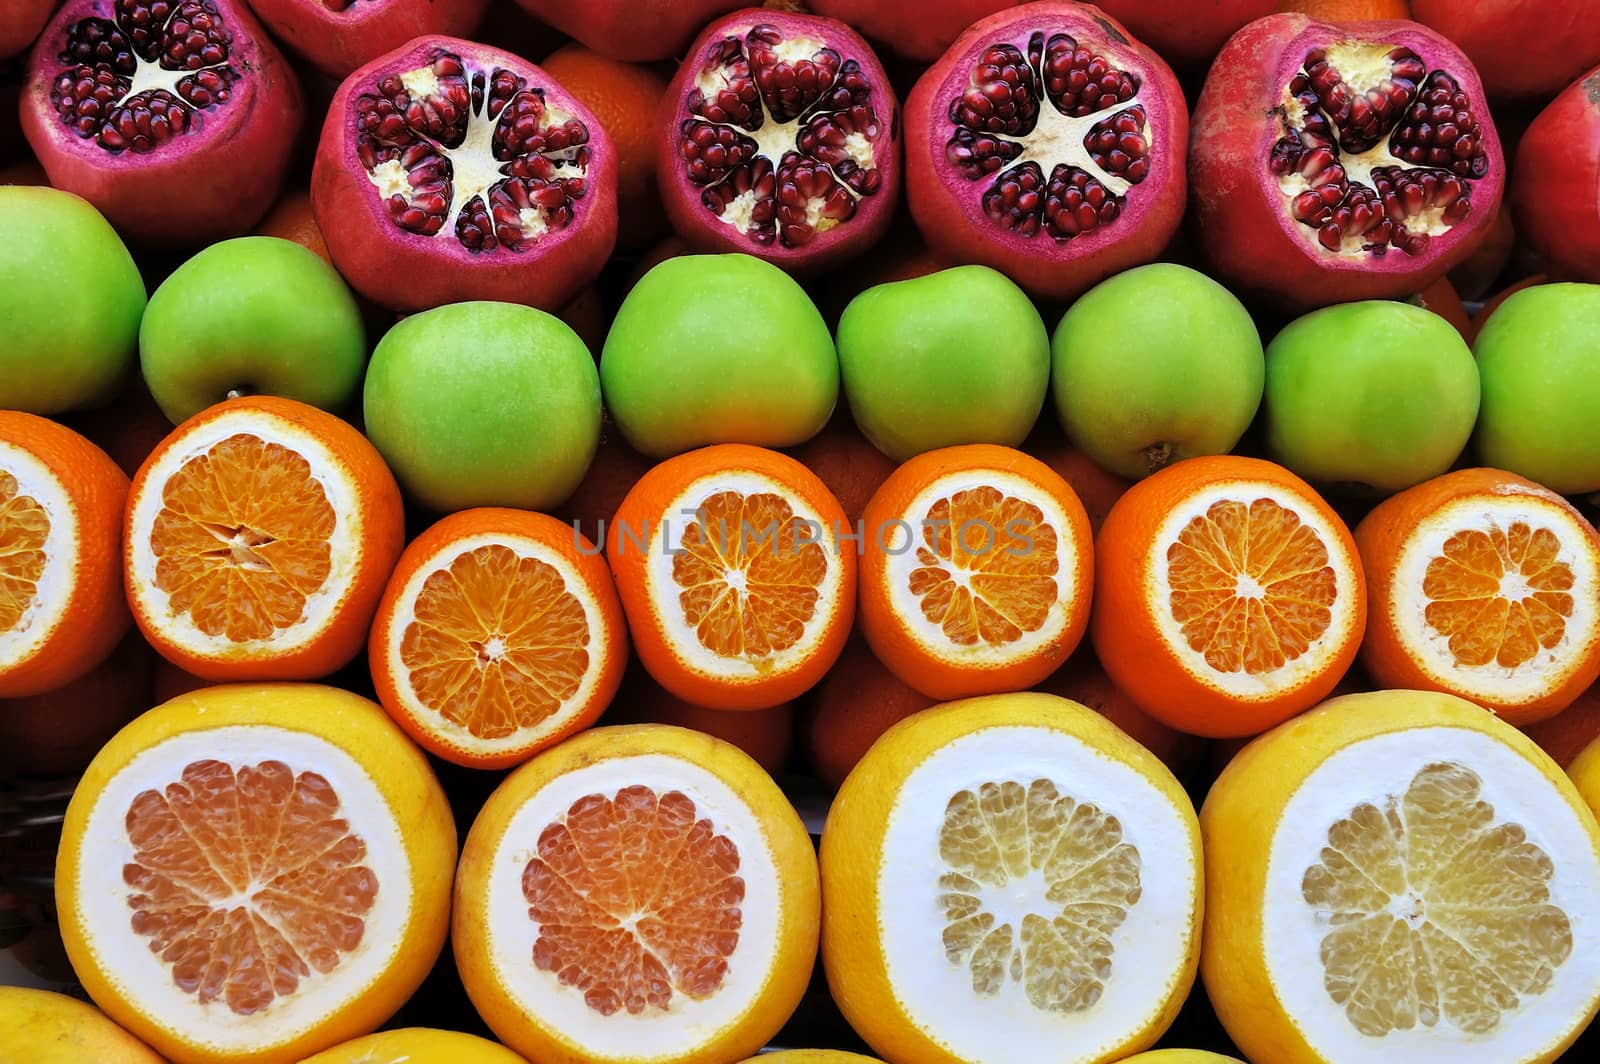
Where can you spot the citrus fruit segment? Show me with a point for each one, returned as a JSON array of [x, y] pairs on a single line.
[[499, 634], [61, 603], [638, 893], [1228, 596], [976, 573], [42, 1027], [1010, 863], [738, 588], [1487, 586], [255, 872], [1400, 876], [416, 1045], [259, 537]]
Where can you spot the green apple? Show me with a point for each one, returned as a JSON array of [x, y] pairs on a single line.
[[1379, 395], [484, 404], [958, 356], [1539, 358], [252, 316], [1155, 365], [70, 302], [718, 349]]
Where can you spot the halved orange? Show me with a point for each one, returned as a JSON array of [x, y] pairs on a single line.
[[638, 893], [738, 585], [61, 604], [1228, 596], [1487, 586], [255, 872], [499, 634], [417, 1045], [259, 537], [42, 1027], [977, 571]]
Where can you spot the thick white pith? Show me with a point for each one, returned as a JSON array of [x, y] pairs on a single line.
[[1371, 771], [100, 897], [655, 1033], [1150, 948], [59, 580]]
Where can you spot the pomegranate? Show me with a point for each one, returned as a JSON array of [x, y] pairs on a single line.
[[1185, 33], [1520, 47], [638, 31], [1556, 191], [175, 118], [20, 23], [339, 35], [916, 29], [1049, 144], [1312, 189], [450, 171], [780, 139]]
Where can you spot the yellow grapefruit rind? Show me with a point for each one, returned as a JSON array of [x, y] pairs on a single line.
[[365, 733], [1239, 822], [798, 916], [853, 842], [43, 1027], [417, 1044]]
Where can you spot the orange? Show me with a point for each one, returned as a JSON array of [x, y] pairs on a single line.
[[767, 735], [291, 219], [255, 872], [843, 460], [739, 592], [499, 634], [1440, 297], [259, 537], [854, 704], [616, 468], [1564, 735], [416, 1045], [42, 1027], [59, 732], [1097, 489], [1082, 680], [61, 604], [977, 572], [1228, 596], [1349, 10], [638, 893], [1487, 586]]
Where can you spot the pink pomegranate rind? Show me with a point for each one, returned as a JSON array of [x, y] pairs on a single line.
[[916, 29], [1059, 188], [176, 118], [450, 171], [1187, 33], [337, 36], [1555, 190], [1521, 47], [780, 139], [1307, 191], [635, 31]]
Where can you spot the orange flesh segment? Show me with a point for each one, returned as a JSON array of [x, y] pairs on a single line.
[[636, 900], [1499, 596], [24, 530], [241, 539], [986, 567], [246, 880], [1251, 586], [750, 570], [498, 643]]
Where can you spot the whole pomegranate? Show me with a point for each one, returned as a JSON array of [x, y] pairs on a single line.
[[1332, 164], [779, 138], [450, 171], [1186, 33], [1555, 193], [175, 118], [1520, 47], [638, 31], [339, 35], [1049, 144], [916, 29], [20, 22]]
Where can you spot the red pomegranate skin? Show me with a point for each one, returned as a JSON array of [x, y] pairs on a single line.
[[950, 207], [211, 181], [336, 36], [1242, 215], [542, 260], [635, 31], [20, 22], [863, 193], [916, 29], [1187, 33], [1520, 47], [1555, 188]]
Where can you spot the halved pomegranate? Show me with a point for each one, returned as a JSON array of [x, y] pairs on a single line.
[[1555, 190], [1048, 144], [1336, 163], [780, 138], [337, 36], [638, 31], [916, 29], [451, 171], [175, 118], [1521, 47]]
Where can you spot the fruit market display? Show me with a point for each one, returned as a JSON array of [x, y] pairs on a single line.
[[810, 531]]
